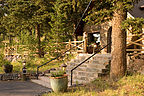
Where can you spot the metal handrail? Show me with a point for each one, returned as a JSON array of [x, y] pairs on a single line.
[[86, 60], [55, 58]]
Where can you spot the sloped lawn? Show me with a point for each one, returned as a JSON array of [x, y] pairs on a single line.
[[127, 86]]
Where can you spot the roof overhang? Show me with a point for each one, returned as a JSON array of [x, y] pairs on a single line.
[[138, 10]]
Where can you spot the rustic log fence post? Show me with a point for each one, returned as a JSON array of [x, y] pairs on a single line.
[[70, 44], [85, 39]]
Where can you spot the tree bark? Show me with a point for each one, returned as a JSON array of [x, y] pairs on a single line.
[[118, 63], [40, 50]]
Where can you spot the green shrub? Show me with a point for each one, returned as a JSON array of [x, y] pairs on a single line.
[[58, 73], [3, 61]]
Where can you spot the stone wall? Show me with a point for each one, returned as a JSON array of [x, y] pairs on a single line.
[[105, 34]]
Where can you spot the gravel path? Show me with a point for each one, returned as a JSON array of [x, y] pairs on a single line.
[[21, 88]]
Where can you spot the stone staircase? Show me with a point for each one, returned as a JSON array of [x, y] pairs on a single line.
[[96, 67]]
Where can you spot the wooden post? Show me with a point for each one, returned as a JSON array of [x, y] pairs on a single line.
[[75, 44], [135, 47], [85, 41], [70, 44]]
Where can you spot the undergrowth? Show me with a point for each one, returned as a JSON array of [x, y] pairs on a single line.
[[33, 62]]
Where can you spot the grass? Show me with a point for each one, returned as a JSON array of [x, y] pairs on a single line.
[[127, 86], [32, 63], [17, 67]]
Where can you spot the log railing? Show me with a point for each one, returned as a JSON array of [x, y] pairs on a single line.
[[135, 47], [71, 44]]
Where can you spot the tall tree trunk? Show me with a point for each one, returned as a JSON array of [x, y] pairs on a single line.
[[118, 63], [40, 50]]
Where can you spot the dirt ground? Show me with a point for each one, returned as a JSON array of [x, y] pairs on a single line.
[[136, 64], [21, 88]]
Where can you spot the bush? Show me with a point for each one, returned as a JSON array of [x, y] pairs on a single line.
[[58, 73], [3, 61]]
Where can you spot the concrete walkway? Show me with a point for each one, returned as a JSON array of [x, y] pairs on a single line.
[[21, 88]]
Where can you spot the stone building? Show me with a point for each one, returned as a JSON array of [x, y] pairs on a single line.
[[102, 33]]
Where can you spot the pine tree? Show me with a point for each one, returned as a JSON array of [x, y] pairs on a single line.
[[2, 13], [28, 17], [64, 19], [76, 11]]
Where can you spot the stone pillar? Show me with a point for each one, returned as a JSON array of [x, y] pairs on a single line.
[[105, 35], [103, 38], [85, 39], [109, 39]]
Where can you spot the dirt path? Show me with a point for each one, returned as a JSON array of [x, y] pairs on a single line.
[[20, 88]]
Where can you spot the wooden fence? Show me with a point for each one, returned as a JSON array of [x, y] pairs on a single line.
[[79, 47], [135, 47]]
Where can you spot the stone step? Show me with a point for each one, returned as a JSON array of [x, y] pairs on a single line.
[[83, 80], [107, 55], [83, 55], [87, 75], [85, 67], [80, 57], [105, 70], [100, 66], [76, 81], [99, 61], [102, 75], [91, 69]]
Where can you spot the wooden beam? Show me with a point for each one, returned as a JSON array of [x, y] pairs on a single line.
[[137, 44], [135, 35], [137, 54], [130, 42], [134, 49], [73, 42]]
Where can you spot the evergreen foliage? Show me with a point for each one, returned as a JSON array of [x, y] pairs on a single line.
[[59, 27], [41, 24], [133, 25], [64, 19], [103, 10], [28, 20]]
